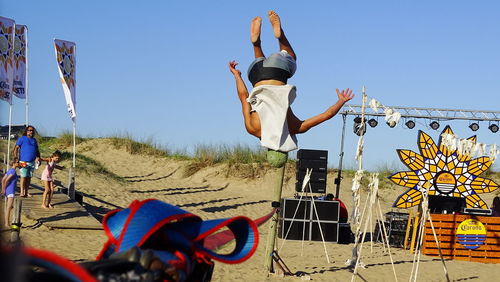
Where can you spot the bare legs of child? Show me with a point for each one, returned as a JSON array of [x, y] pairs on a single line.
[[8, 207], [47, 194]]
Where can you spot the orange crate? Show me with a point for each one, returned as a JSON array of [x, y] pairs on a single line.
[[446, 225]]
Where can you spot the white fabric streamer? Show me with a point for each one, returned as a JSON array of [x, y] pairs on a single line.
[[392, 117], [359, 151], [493, 152], [356, 183], [374, 104]]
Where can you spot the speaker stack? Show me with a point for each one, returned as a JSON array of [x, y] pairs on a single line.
[[305, 225], [317, 160]]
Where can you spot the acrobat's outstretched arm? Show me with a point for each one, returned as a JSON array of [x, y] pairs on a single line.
[[252, 123], [297, 126]]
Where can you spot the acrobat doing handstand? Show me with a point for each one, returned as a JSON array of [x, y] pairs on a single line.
[[266, 110]]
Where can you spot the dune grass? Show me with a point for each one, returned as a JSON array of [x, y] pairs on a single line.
[[89, 166], [208, 155]]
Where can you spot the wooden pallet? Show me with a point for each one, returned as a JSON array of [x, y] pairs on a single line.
[[446, 226]]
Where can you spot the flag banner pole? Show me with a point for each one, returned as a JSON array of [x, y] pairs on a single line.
[[74, 144], [8, 138], [27, 75], [7, 34], [66, 65]]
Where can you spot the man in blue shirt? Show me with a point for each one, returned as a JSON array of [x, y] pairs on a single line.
[[26, 150]]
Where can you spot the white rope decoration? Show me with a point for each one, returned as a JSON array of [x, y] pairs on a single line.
[[468, 147], [391, 116]]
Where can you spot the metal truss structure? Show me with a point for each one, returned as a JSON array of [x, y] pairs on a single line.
[[426, 113]]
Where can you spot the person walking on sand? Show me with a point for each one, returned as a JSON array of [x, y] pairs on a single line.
[[9, 183], [46, 177], [26, 150], [266, 109]]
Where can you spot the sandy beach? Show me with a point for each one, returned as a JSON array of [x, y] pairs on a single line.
[[219, 192]]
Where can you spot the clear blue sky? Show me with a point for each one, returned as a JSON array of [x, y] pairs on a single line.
[[158, 69]]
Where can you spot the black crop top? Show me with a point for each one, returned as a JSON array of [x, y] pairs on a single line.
[[259, 72]]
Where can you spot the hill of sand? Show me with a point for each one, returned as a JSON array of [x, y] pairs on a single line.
[[217, 192]]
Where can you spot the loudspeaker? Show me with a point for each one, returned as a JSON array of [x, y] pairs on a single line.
[[308, 154], [318, 177], [317, 160], [301, 220], [316, 187], [316, 165]]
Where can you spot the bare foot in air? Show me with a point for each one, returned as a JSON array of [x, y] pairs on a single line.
[[275, 22], [51, 206], [255, 30]]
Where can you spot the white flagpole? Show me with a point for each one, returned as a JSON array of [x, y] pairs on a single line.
[[8, 138], [26, 85], [74, 144]]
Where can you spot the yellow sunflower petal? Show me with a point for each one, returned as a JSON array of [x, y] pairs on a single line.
[[483, 185], [479, 165], [406, 178], [473, 201], [411, 159], [409, 199], [427, 147]]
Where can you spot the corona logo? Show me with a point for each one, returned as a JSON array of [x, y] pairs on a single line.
[[471, 234]]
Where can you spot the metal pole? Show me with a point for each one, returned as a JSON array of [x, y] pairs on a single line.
[[71, 175], [16, 223], [27, 72], [341, 157], [8, 138]]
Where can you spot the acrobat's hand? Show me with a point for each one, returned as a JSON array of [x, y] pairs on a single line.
[[345, 95], [232, 68]]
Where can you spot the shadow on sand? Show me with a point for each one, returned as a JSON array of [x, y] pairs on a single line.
[[229, 207], [207, 202], [150, 179], [182, 191]]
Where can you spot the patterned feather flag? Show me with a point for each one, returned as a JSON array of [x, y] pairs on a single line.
[[19, 62], [7, 27], [66, 62]]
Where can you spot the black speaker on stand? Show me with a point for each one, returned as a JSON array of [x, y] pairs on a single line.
[[317, 160]]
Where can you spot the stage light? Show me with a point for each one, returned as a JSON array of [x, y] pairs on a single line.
[[410, 124], [373, 122], [474, 126], [434, 125], [493, 128], [358, 127], [391, 124]]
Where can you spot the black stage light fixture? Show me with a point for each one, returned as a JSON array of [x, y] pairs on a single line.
[[391, 124], [474, 126], [493, 127], [434, 125], [410, 124], [373, 122], [359, 129]]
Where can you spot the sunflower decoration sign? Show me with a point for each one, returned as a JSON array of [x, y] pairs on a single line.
[[442, 171], [7, 27]]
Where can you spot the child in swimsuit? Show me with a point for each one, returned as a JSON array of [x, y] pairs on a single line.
[[266, 110], [48, 182], [9, 183]]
